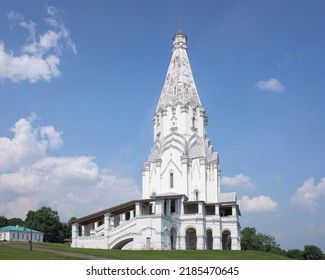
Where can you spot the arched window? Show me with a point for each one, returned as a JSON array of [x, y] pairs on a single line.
[[226, 240], [209, 239], [173, 238], [196, 195], [171, 179], [193, 122], [190, 238]]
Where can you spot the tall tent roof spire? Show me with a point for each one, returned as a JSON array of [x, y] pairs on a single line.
[[179, 86]]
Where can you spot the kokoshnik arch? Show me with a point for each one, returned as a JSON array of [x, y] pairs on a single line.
[[181, 206]]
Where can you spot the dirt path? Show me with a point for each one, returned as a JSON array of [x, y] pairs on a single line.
[[62, 253]]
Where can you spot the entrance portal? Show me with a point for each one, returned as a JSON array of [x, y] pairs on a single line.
[[226, 240], [209, 239], [173, 239], [191, 239]]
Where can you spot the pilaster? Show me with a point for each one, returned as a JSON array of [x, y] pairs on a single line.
[[106, 228], [75, 234], [138, 211], [158, 180]]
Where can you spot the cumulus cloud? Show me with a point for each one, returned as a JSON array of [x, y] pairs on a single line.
[[28, 144], [39, 58], [309, 194], [74, 186], [257, 204], [272, 84], [239, 180]]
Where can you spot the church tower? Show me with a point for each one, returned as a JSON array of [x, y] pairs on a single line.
[[182, 159], [182, 207]]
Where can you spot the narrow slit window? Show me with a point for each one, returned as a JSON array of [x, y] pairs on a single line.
[[196, 195], [171, 179], [193, 122]]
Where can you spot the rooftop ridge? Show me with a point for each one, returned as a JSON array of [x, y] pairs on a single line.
[[19, 228]]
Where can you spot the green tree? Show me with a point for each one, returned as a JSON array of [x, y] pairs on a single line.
[[16, 221], [251, 240], [295, 254], [248, 239], [312, 252], [47, 221], [3, 221], [267, 243]]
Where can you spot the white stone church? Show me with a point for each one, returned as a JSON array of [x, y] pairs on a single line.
[[182, 207]]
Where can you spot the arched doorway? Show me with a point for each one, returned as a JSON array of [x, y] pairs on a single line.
[[209, 239], [122, 243], [173, 238], [226, 240], [190, 239]]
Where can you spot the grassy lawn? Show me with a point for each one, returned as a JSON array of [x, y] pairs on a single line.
[[192, 255], [9, 253], [186, 255]]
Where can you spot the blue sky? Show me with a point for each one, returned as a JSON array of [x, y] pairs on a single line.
[[79, 85]]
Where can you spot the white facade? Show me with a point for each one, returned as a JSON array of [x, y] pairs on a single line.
[[17, 233], [181, 206]]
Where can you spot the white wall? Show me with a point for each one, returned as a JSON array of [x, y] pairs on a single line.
[[20, 236]]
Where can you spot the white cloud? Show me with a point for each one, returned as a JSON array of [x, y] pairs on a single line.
[[58, 171], [51, 136], [27, 67], [28, 144], [270, 85], [24, 181], [239, 180], [309, 193], [73, 186], [17, 207], [257, 204], [40, 57]]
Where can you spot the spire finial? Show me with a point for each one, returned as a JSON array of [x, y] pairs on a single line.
[[179, 25]]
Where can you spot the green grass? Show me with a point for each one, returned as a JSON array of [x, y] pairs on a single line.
[[10, 253], [185, 255], [61, 250]]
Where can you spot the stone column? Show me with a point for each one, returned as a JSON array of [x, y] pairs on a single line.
[[158, 181], [200, 208], [122, 218], [106, 228], [168, 207], [146, 180], [138, 209], [217, 210], [75, 234], [177, 206], [200, 244], [235, 243], [184, 179], [203, 191], [217, 244], [182, 242], [234, 210], [182, 206], [159, 207]]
